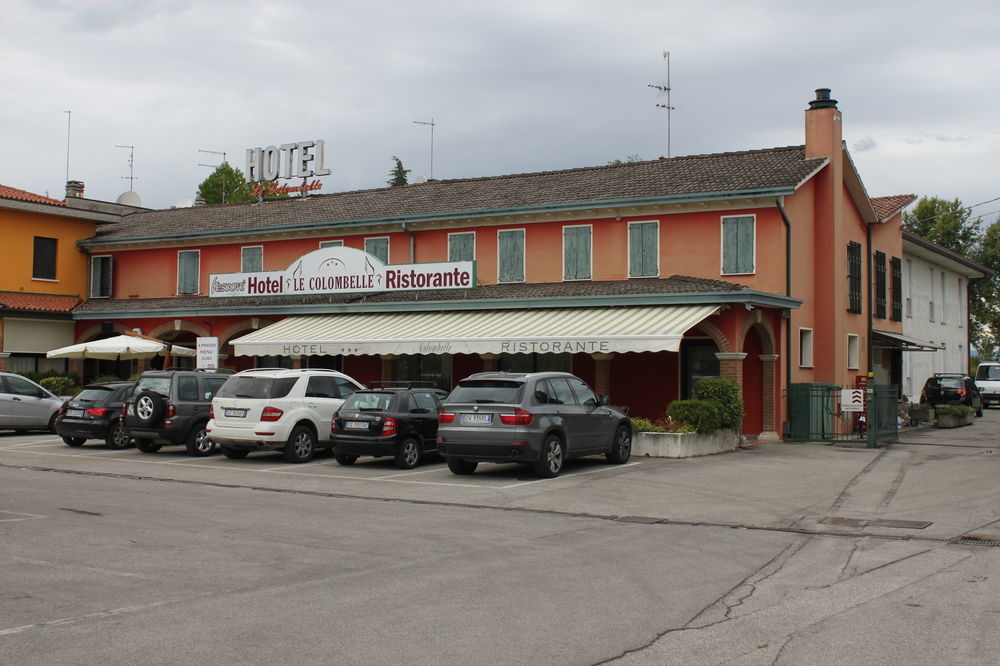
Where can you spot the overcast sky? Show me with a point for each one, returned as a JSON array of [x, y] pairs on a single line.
[[513, 86]]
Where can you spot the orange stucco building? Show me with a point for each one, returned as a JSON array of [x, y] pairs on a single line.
[[755, 265]]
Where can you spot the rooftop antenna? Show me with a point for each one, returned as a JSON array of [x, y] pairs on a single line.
[[131, 163], [667, 106], [216, 166], [69, 116], [431, 125]]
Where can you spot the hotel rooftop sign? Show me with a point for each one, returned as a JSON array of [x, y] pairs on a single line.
[[291, 160], [343, 270]]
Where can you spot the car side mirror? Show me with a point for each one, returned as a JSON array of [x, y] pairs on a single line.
[[602, 400]]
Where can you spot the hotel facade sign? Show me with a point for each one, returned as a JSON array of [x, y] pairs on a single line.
[[343, 270]]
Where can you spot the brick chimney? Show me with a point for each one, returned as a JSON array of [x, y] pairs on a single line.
[[824, 136], [74, 189]]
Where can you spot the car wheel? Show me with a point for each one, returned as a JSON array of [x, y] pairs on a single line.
[[550, 462], [300, 446], [117, 438], [199, 443], [409, 454], [621, 448], [234, 454], [149, 408], [345, 458], [74, 441], [147, 445], [462, 467], [52, 423]]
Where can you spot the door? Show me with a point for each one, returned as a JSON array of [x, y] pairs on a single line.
[[30, 405], [596, 419], [423, 410], [323, 400]]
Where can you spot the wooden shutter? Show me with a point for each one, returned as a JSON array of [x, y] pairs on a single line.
[[511, 257], [187, 272], [737, 244], [897, 289], [576, 253], [854, 277]]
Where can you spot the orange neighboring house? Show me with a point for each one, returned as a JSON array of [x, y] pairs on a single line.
[[641, 278], [44, 274]]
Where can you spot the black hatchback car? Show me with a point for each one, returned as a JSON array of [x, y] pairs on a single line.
[[952, 389], [95, 413], [390, 420]]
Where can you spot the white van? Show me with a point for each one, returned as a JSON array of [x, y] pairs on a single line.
[[988, 382]]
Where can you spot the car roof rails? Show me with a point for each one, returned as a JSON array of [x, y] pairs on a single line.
[[400, 384], [174, 368]]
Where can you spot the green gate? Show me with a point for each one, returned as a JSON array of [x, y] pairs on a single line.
[[815, 414]]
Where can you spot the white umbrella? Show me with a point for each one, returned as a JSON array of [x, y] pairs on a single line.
[[121, 347]]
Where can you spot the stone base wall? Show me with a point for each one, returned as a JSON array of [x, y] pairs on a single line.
[[682, 444]]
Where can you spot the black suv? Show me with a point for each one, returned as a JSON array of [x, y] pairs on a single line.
[[95, 413], [952, 389], [397, 419], [172, 407]]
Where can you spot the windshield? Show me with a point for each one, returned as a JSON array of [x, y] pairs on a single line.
[[368, 402], [256, 387], [988, 372], [948, 382], [487, 391], [94, 394], [159, 384]]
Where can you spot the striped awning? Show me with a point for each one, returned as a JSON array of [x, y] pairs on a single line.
[[543, 331]]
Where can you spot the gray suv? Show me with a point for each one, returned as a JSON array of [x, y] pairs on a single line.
[[539, 418]]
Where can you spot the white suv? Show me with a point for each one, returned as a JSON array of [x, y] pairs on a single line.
[[270, 409]]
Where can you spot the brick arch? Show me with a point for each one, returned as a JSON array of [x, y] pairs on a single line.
[[764, 330], [718, 337], [89, 334], [245, 325], [190, 327]]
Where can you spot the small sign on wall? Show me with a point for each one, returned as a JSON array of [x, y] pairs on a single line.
[[852, 400], [208, 353]]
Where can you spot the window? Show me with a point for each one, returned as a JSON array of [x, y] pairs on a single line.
[[643, 249], [897, 289], [853, 347], [188, 268], [332, 243], [880, 284], [805, 347], [100, 277], [738, 245], [510, 255], [44, 266], [462, 246], [378, 247], [187, 388], [854, 277], [576, 253], [322, 386], [252, 260]]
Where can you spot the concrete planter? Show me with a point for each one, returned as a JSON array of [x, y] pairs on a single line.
[[921, 413], [949, 421], [683, 444]]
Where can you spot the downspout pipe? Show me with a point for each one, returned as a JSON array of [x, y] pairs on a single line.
[[788, 292], [413, 242]]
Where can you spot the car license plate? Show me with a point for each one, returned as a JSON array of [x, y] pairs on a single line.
[[476, 418], [74, 413], [355, 425], [235, 413]]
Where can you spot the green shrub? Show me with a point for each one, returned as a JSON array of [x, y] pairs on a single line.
[[104, 379], [61, 385], [701, 415], [724, 393], [954, 410], [640, 424]]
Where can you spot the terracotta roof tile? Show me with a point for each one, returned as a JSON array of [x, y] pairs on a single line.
[[24, 195], [695, 177], [17, 300], [888, 206]]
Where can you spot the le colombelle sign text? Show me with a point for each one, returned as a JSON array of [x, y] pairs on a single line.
[[341, 270]]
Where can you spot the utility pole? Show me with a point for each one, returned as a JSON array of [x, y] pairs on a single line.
[[431, 125], [216, 166], [131, 163], [665, 89], [69, 117]]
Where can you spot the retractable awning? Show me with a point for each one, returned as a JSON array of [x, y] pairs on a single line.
[[902, 342], [544, 331]]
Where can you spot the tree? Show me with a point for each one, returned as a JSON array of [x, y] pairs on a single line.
[[628, 160], [946, 223], [984, 307], [225, 185], [398, 174]]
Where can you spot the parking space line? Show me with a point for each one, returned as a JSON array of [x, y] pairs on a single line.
[[607, 468]]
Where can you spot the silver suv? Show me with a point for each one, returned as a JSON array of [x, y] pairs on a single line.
[[538, 418], [277, 409]]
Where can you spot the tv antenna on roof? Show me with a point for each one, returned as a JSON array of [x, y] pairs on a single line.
[[667, 106], [216, 166], [131, 165], [431, 125]]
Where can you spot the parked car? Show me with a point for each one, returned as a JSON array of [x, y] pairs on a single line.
[[389, 420], [25, 405], [95, 413], [951, 389], [988, 382], [169, 407], [277, 409], [540, 418]]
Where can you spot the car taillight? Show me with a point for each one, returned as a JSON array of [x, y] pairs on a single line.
[[271, 414], [446, 417], [518, 418], [171, 411], [961, 392], [389, 426], [124, 408], [211, 411], [62, 408], [98, 412]]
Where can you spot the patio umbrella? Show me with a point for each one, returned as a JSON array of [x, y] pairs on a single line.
[[121, 347]]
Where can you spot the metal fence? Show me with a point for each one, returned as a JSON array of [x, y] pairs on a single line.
[[815, 414]]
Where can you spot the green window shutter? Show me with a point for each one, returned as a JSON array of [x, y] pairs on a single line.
[[461, 247], [100, 277], [737, 244], [643, 246], [252, 259], [897, 289], [187, 269], [576, 253], [511, 257], [378, 247], [854, 277], [880, 285]]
